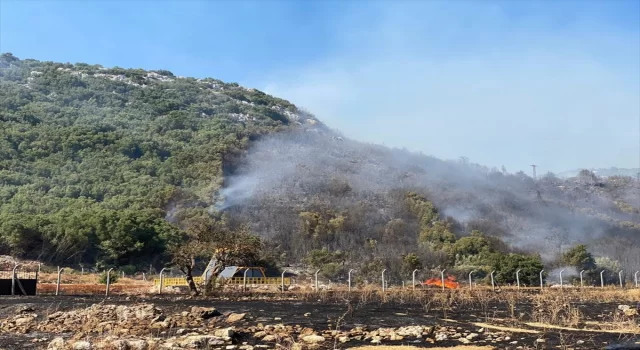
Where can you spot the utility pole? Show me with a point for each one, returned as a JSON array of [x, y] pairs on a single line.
[[638, 185], [534, 170]]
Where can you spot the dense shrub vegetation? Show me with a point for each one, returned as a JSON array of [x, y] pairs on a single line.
[[91, 159]]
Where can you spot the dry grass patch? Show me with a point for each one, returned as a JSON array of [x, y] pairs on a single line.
[[621, 330], [92, 289]]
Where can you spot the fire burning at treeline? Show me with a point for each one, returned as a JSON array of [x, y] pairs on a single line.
[[449, 282]]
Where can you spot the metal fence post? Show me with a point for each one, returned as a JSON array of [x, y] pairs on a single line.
[[349, 280], [471, 281], [106, 293], [541, 280], [244, 280], [58, 281], [620, 278], [383, 271], [581, 272], [161, 280], [601, 279], [282, 279], [493, 285], [518, 278], [561, 285], [13, 279], [413, 279], [635, 275], [316, 276]]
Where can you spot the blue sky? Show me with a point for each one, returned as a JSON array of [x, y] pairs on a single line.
[[556, 83]]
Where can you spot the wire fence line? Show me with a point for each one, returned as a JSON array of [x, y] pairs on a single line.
[[168, 277]]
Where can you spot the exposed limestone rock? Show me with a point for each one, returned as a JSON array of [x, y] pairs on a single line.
[[313, 339], [233, 317]]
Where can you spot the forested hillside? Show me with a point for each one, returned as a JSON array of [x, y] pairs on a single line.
[[91, 158], [118, 167]]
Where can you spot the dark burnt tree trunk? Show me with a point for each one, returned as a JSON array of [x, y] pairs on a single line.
[[188, 271]]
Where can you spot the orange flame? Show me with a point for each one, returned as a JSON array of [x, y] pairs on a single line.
[[449, 282]]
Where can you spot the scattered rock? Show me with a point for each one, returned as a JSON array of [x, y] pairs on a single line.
[[138, 344], [225, 333], [269, 338], [82, 345], [260, 334], [119, 344], [312, 339], [343, 339], [56, 344], [412, 331], [204, 312], [395, 337], [25, 309], [235, 317], [472, 336], [200, 341], [23, 320]]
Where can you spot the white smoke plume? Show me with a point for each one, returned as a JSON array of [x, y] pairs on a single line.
[[284, 173]]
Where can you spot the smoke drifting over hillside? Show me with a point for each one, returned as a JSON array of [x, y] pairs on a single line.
[[286, 174]]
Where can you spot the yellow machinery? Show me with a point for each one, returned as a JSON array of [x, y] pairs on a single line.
[[234, 275]]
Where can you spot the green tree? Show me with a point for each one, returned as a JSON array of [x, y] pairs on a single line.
[[206, 238], [329, 263], [475, 244], [580, 258], [410, 262], [506, 266], [438, 235]]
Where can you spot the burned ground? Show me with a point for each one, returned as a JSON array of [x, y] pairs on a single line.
[[509, 321]]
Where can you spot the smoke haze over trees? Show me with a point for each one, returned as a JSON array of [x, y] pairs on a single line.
[[315, 190]]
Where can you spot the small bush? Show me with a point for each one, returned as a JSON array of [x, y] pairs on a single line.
[[112, 279]]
